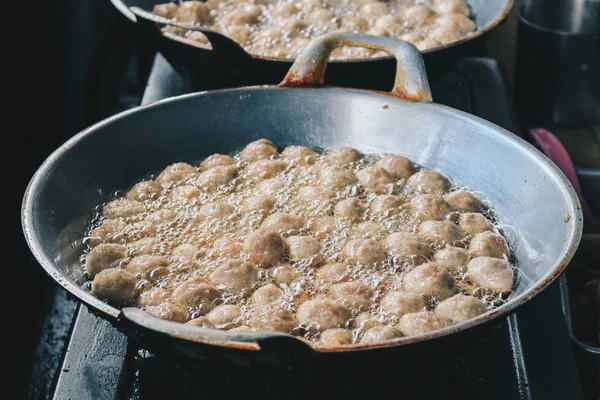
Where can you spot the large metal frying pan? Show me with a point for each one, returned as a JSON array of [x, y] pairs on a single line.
[[220, 67], [542, 216]]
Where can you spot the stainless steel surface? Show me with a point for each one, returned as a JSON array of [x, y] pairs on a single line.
[[539, 209], [569, 16]]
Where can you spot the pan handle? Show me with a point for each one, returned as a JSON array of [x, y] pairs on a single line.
[[139, 321], [411, 79], [218, 41]]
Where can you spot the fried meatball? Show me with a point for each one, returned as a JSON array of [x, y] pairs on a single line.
[[322, 225], [149, 245], [216, 177], [246, 15], [441, 233], [264, 247], [185, 193], [304, 248], [175, 173], [200, 322], [451, 6], [399, 303], [355, 295], [268, 294], [152, 297], [390, 25], [285, 10], [430, 280], [186, 252], [265, 169], [219, 210], [364, 251], [365, 321], [422, 322], [259, 204], [354, 23], [193, 12], [430, 207], [375, 9], [285, 224], [349, 209], [146, 264], [196, 293], [144, 191], [299, 155], [377, 179], [226, 246], [271, 187], [386, 205], [379, 334], [111, 231], [123, 208], [224, 316], [216, 160], [167, 10], [273, 318], [337, 177], [105, 256], [261, 149], [452, 258], [473, 223], [234, 276], [408, 248], [463, 200], [335, 337], [322, 314], [161, 217], [418, 16], [239, 33], [319, 194], [321, 16], [169, 311], [368, 230], [486, 244], [491, 273], [336, 272], [460, 308], [457, 22], [342, 156], [427, 182], [284, 275], [114, 285]]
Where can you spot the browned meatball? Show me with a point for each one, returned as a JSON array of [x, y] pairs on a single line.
[[216, 177], [200, 322], [217, 160], [408, 248], [234, 276], [430, 207], [152, 297], [187, 252], [299, 155], [149, 245], [336, 337], [452, 258], [265, 169], [418, 16], [441, 233], [224, 316], [430, 280], [162, 217], [379, 334], [451, 6], [427, 181], [105, 256], [368, 230], [259, 204], [247, 14], [322, 226], [473, 223], [377, 179], [366, 252], [185, 193], [196, 293], [402, 302], [144, 191], [268, 294], [175, 173], [336, 272], [151, 267], [169, 311], [399, 167], [491, 273], [284, 275], [422, 322], [305, 248], [349, 209], [261, 149], [264, 247], [337, 177], [374, 9], [193, 12], [273, 318], [486, 244], [355, 295], [460, 308], [167, 10], [111, 231], [123, 208], [322, 314], [309, 194], [114, 285], [284, 224], [463, 200], [218, 210], [226, 246], [365, 321], [386, 205], [271, 187], [342, 156]]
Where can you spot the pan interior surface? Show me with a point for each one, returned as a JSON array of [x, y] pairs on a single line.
[[538, 209]]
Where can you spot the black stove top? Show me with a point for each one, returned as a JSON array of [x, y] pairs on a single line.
[[526, 356]]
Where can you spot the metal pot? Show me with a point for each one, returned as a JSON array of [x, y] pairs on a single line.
[[539, 208], [220, 68]]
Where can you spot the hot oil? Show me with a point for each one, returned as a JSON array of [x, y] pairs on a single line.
[[205, 234]]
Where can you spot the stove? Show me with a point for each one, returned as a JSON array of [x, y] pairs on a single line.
[[525, 356]]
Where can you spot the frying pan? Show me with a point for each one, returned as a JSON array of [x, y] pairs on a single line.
[[541, 215], [220, 68]]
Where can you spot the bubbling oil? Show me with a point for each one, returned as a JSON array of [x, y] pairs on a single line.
[[219, 238]]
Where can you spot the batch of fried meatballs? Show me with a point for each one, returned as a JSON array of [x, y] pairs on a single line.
[[282, 28], [336, 247]]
